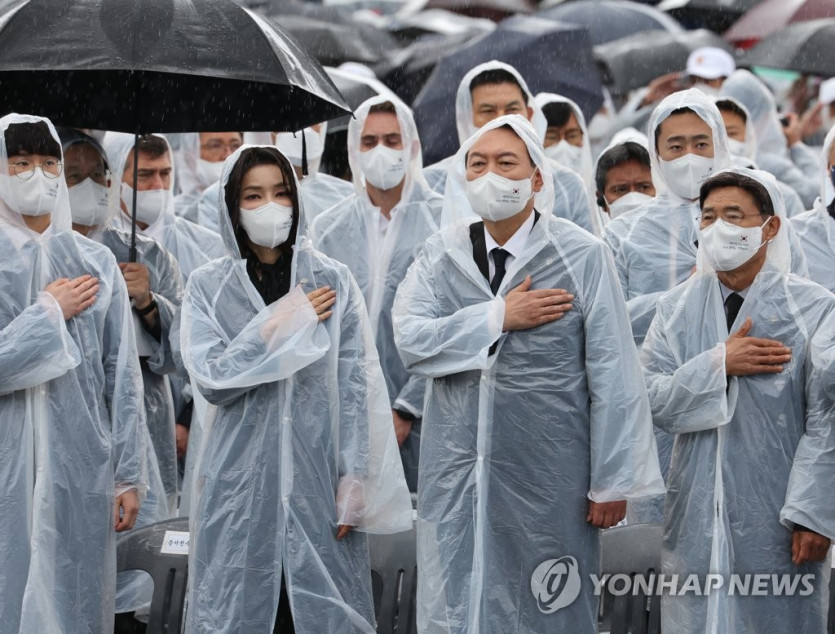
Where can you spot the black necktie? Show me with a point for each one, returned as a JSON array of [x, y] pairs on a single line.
[[732, 305], [499, 258]]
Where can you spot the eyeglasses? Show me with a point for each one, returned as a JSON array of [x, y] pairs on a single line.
[[25, 170], [733, 217], [216, 149]]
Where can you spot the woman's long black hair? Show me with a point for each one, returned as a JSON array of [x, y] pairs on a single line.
[[249, 158]]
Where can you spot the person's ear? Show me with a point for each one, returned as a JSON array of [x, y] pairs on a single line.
[[601, 202], [537, 181], [530, 113], [771, 230]]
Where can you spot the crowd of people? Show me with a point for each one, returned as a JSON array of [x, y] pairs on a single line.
[[543, 336]]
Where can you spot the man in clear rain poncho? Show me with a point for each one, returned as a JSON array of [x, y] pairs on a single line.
[[816, 228], [299, 438], [73, 466], [94, 196], [320, 191], [736, 368], [742, 143], [377, 232], [199, 159], [536, 425], [491, 90], [794, 164]]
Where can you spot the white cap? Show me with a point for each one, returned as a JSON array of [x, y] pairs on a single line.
[[710, 62], [826, 95]]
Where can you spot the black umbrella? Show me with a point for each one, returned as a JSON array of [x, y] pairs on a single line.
[[409, 68], [158, 66], [807, 47], [334, 42], [609, 20], [716, 15], [551, 56], [634, 61]]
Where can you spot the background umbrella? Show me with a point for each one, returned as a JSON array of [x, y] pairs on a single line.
[[805, 47], [438, 22], [773, 15], [608, 20], [634, 61], [409, 69], [158, 66], [716, 15], [490, 9], [551, 56]]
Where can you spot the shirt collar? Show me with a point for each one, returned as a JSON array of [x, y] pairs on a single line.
[[727, 291], [516, 244]]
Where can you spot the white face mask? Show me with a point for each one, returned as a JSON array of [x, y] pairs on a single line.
[[290, 145], [496, 198], [566, 154], [208, 173], [383, 167], [33, 197], [89, 203], [150, 204], [268, 225], [737, 148], [685, 175], [727, 246], [628, 202]]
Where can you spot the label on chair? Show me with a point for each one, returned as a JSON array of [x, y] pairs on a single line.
[[175, 543]]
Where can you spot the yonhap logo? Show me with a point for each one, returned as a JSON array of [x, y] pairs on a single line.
[[555, 584]]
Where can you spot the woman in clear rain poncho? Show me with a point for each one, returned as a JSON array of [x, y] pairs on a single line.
[[379, 250], [754, 453], [299, 438], [520, 430], [570, 193], [816, 228], [796, 165], [70, 400]]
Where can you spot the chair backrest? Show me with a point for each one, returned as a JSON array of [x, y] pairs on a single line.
[[634, 551], [394, 580], [142, 549]]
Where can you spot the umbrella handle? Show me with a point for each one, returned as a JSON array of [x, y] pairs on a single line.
[[304, 154], [132, 253]]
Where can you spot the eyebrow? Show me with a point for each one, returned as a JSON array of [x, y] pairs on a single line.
[[682, 137]]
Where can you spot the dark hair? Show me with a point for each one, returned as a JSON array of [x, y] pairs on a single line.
[[675, 112], [249, 158], [732, 179], [31, 138], [497, 76], [727, 105], [72, 136], [557, 113], [151, 145], [618, 155], [386, 107]]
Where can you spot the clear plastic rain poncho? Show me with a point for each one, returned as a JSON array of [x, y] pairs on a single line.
[[747, 157], [379, 252], [570, 192], [753, 455], [191, 245], [74, 430], [516, 443], [134, 588], [795, 166], [194, 176], [298, 417], [586, 167], [816, 228]]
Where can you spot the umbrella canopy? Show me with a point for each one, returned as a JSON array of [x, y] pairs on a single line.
[[490, 9], [609, 20], [805, 47], [773, 15], [437, 21], [409, 69], [158, 66], [634, 61], [716, 15], [553, 57]]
